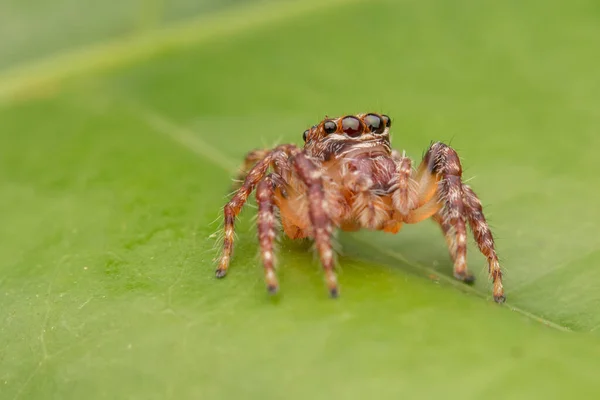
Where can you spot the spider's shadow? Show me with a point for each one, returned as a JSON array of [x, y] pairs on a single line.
[[418, 250]]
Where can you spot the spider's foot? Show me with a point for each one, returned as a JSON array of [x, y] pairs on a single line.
[[220, 272], [465, 276], [272, 289], [499, 298], [271, 280], [332, 284], [334, 292]]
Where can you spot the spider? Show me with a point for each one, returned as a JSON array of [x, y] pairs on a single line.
[[348, 177]]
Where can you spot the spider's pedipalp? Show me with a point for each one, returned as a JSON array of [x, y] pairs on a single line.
[[404, 196]]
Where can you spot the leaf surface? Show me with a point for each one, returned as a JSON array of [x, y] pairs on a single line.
[[112, 182]]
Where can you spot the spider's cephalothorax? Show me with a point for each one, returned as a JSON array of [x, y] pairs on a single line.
[[348, 177]]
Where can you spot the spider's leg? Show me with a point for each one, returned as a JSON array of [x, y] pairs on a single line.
[[250, 160], [484, 239], [319, 216], [448, 234], [234, 207], [444, 162], [266, 230]]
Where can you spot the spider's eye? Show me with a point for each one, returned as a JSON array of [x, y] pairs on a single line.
[[304, 135], [352, 126], [329, 127], [374, 123], [387, 120]]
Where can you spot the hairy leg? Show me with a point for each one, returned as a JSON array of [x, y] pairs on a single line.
[[319, 216], [234, 206], [250, 160], [448, 234], [443, 161], [484, 239], [266, 230]]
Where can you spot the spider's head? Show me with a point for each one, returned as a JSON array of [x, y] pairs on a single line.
[[351, 135]]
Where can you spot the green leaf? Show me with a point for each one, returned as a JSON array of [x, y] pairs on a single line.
[[116, 162]]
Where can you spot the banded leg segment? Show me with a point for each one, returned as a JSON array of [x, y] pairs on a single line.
[[448, 234], [234, 206], [266, 230], [319, 216], [443, 160], [485, 240], [250, 160]]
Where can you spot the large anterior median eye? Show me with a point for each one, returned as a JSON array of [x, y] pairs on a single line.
[[352, 126], [329, 127], [305, 134], [374, 123]]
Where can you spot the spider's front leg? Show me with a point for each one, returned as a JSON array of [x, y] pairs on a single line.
[[318, 212], [253, 157], [459, 205], [234, 206]]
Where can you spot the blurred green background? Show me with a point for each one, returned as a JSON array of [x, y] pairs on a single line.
[[122, 123]]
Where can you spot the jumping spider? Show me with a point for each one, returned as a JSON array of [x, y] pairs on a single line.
[[348, 177]]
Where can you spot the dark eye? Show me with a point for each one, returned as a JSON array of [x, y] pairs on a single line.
[[305, 134], [387, 120], [329, 127], [374, 123], [352, 126]]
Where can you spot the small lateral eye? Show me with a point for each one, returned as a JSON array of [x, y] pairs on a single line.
[[305, 135], [329, 127], [352, 126], [387, 120], [374, 123]]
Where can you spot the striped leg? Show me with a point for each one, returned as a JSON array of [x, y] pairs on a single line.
[[448, 234], [250, 160], [319, 216], [444, 161], [234, 206], [484, 239], [266, 230]]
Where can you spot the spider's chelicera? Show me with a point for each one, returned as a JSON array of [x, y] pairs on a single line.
[[348, 177]]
